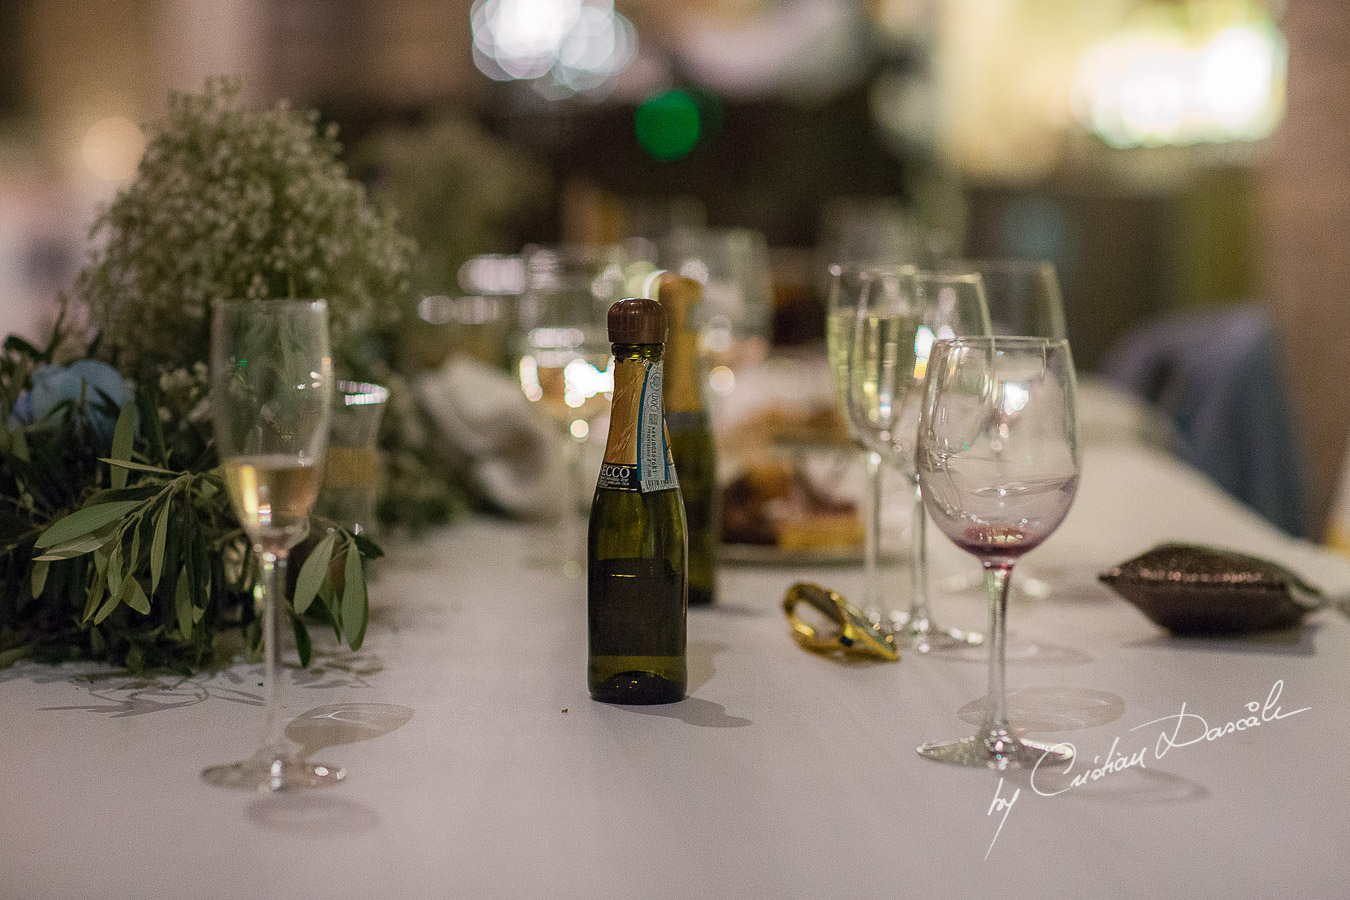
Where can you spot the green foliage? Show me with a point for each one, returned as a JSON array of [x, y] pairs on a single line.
[[457, 189], [135, 558], [231, 202]]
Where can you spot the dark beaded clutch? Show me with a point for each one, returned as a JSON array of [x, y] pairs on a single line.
[[1193, 590]]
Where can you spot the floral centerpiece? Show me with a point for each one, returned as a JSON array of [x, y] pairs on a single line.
[[117, 542]]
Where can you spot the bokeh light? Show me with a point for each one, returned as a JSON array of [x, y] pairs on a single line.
[[1151, 87], [668, 125], [563, 46], [112, 148]]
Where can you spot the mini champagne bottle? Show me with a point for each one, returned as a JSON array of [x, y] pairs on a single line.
[[691, 437], [637, 552]]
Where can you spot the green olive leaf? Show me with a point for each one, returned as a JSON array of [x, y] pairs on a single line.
[[115, 570], [135, 466], [182, 596], [83, 521], [136, 598], [114, 598], [134, 558], [124, 434], [355, 604], [39, 577], [157, 544], [312, 573], [71, 549]]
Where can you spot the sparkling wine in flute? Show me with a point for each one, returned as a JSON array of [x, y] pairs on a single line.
[[884, 388], [839, 335], [271, 401], [272, 494]]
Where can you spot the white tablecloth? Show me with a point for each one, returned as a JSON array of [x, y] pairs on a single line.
[[480, 768]]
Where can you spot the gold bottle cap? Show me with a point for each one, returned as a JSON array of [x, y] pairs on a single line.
[[637, 320]]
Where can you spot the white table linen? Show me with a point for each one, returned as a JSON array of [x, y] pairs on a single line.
[[480, 768]]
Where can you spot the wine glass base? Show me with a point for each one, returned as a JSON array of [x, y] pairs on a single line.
[[266, 774], [923, 636], [997, 752]]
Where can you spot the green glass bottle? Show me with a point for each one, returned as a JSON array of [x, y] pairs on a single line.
[[637, 551], [691, 437]]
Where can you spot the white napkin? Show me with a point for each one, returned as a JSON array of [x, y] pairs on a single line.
[[483, 417]]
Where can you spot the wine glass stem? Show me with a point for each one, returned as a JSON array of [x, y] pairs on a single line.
[[919, 617], [273, 585], [872, 539], [569, 523], [997, 576]]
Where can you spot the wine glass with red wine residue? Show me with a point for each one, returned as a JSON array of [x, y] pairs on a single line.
[[997, 456]]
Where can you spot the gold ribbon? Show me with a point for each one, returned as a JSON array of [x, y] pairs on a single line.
[[848, 631]]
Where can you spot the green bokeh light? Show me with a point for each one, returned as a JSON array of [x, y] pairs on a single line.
[[668, 125]]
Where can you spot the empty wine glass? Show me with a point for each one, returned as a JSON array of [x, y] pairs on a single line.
[[998, 461], [565, 365], [1024, 298], [271, 395], [899, 314]]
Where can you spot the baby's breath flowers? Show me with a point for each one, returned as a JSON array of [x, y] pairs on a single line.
[[233, 202]]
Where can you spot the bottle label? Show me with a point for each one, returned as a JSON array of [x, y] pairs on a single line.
[[637, 454]]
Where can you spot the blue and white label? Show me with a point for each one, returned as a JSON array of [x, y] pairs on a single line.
[[655, 471]]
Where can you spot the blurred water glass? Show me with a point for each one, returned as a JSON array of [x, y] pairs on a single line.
[[1024, 294], [477, 318], [563, 357], [734, 322], [351, 477], [870, 231]]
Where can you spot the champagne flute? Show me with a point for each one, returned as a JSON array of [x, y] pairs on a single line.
[[271, 395], [565, 362], [900, 313], [998, 460], [846, 285]]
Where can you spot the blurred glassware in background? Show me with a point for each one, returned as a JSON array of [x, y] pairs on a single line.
[[732, 264], [351, 476], [493, 274], [1023, 294], [565, 366], [481, 322], [869, 231]]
